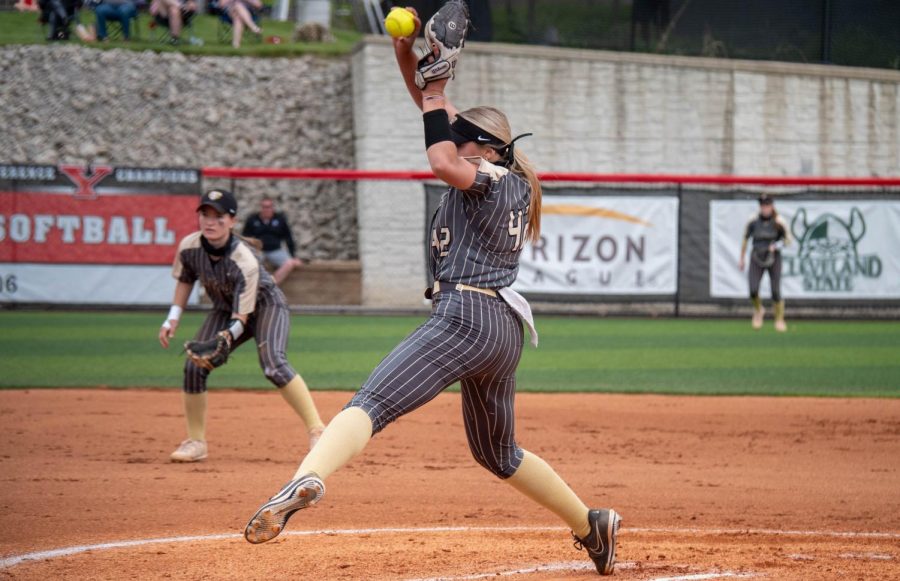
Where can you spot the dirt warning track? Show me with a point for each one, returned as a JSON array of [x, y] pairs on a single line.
[[709, 488]]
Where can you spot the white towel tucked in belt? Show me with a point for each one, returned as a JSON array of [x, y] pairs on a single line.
[[522, 308]]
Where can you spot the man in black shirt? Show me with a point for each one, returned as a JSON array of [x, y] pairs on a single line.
[[271, 228]]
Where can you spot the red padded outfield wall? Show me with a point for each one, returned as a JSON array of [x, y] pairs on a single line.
[[107, 235]]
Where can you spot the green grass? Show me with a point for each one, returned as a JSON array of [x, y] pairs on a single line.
[[23, 28], [841, 358]]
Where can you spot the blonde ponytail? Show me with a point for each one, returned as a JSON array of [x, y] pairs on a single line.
[[522, 166], [495, 122]]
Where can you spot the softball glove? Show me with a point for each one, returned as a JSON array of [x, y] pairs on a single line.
[[211, 353], [445, 35]]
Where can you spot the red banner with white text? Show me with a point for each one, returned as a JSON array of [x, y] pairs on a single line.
[[92, 235]]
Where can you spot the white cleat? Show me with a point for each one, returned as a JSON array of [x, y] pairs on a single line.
[[271, 517], [757, 321], [190, 451]]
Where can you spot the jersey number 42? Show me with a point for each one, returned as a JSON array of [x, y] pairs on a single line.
[[517, 229]]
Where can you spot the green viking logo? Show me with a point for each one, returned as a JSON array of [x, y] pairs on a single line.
[[827, 258]]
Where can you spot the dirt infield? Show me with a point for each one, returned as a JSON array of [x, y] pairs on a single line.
[[708, 488]]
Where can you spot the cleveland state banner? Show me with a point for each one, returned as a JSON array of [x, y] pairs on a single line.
[[93, 235], [603, 245], [840, 249]]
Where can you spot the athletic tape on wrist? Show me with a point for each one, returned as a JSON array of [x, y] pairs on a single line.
[[437, 127], [236, 328], [174, 315]]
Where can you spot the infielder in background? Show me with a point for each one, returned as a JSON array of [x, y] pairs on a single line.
[[474, 334], [769, 234], [246, 303]]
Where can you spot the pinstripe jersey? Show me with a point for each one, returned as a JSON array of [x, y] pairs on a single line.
[[477, 234], [765, 231], [234, 283]]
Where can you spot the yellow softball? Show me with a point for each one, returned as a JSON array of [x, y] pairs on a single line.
[[399, 22]]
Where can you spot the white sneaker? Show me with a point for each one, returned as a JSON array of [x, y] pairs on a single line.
[[757, 321], [190, 451], [780, 325]]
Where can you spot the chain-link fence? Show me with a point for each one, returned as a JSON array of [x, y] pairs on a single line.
[[844, 32]]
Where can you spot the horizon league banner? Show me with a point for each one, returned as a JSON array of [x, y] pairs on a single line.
[[612, 245], [839, 249], [93, 235]]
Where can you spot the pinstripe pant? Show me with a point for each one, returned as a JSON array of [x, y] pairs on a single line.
[[756, 273], [270, 325], [471, 338]]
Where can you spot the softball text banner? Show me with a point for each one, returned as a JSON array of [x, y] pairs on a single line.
[[840, 249], [92, 235], [603, 245]]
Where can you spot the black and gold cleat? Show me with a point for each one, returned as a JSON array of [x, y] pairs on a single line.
[[271, 517], [600, 543]]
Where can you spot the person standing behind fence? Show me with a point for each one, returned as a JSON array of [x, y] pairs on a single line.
[[271, 228], [770, 235]]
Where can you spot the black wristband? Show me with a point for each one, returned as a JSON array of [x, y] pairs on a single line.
[[437, 127]]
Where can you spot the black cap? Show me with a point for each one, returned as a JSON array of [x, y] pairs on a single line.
[[222, 201], [765, 200]]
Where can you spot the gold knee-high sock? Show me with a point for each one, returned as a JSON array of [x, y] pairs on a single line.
[[779, 311], [195, 414], [539, 482], [298, 397], [345, 437], [757, 303]]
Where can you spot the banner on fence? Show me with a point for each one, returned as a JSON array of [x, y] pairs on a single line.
[[92, 235], [840, 249], [612, 245]]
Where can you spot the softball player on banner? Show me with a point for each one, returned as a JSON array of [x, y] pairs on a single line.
[[475, 332], [246, 303]]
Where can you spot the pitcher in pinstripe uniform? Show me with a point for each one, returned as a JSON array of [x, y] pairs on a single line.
[[246, 302], [474, 335]]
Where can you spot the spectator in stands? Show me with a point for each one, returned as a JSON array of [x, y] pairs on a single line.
[[241, 12], [173, 14], [58, 14], [271, 228], [122, 11]]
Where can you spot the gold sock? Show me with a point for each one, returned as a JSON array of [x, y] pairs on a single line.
[[345, 437], [757, 303], [539, 482], [298, 397], [779, 311], [195, 414]]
